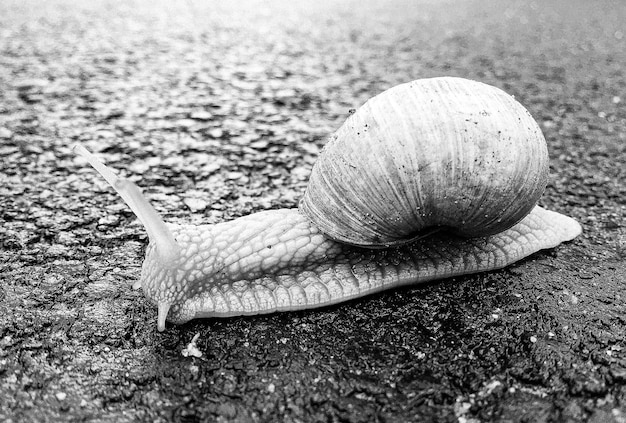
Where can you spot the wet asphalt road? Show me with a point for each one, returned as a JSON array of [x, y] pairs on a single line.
[[218, 111]]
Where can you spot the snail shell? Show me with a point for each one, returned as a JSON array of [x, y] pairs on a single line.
[[441, 152]]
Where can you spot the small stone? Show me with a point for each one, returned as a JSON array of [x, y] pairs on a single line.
[[195, 204], [201, 115], [301, 173], [259, 145], [5, 133], [108, 220], [185, 123], [61, 396], [233, 176], [285, 94], [216, 133], [192, 349]]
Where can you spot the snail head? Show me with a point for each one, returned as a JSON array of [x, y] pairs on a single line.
[[162, 266]]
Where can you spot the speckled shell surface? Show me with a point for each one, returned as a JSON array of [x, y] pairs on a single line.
[[441, 152]]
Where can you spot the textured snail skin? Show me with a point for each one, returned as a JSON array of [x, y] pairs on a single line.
[[278, 261]]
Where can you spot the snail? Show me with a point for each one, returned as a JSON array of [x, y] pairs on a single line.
[[430, 179]]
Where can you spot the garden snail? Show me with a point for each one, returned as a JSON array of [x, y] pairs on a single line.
[[446, 155]]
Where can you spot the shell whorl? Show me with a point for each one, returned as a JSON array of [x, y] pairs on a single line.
[[441, 152]]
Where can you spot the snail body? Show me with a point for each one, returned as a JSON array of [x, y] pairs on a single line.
[[278, 260], [445, 155]]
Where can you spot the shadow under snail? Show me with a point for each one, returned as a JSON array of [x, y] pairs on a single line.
[[428, 180]]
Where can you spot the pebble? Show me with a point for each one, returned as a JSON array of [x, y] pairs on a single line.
[[192, 349], [216, 133], [233, 176], [5, 133], [201, 115], [195, 204], [186, 123]]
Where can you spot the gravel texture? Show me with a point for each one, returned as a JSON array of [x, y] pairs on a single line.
[[218, 111]]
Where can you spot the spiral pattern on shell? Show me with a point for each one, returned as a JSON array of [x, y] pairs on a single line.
[[441, 152]]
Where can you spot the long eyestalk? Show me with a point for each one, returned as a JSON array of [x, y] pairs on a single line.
[[159, 234]]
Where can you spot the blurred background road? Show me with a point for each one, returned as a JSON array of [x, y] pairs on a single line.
[[219, 109]]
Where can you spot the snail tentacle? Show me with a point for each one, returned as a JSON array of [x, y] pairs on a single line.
[[145, 212]]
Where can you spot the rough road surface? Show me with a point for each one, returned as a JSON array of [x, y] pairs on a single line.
[[218, 111]]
